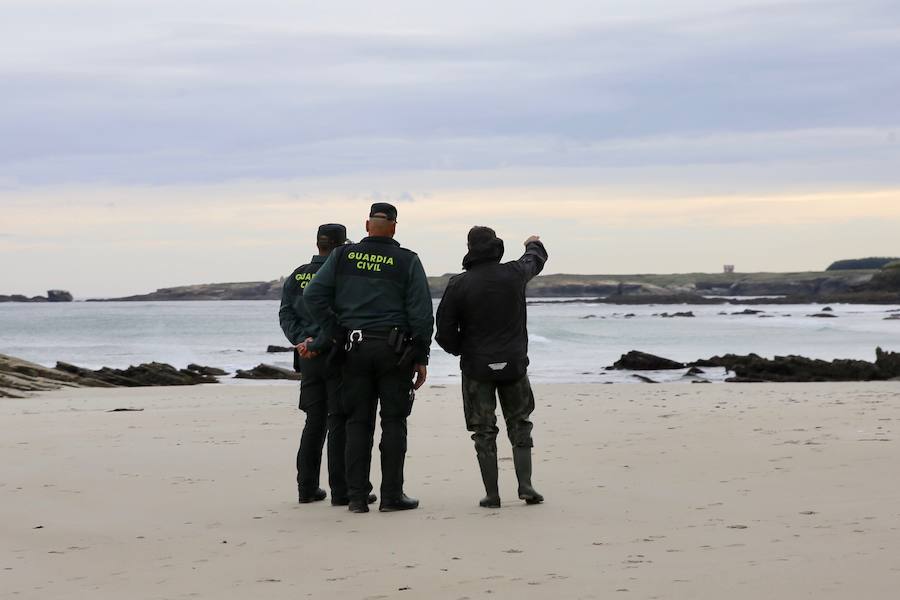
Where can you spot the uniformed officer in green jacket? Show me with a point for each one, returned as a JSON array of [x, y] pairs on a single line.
[[319, 383], [373, 298]]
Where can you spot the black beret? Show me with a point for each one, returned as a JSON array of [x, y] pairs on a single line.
[[334, 232], [388, 210]]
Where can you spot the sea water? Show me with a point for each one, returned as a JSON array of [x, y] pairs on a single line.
[[569, 342]]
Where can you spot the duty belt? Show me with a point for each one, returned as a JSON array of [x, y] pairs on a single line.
[[357, 336]]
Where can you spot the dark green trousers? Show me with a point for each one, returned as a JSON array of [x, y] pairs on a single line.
[[480, 408], [371, 376], [320, 400]]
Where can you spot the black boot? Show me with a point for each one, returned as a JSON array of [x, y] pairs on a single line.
[[345, 501], [404, 502], [522, 462], [316, 495], [488, 464]]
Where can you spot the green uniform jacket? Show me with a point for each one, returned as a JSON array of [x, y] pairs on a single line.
[[293, 315], [374, 284]]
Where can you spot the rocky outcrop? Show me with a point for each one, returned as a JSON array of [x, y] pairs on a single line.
[[252, 290], [52, 296], [622, 289], [888, 363], [641, 361], [754, 368], [19, 377], [215, 372], [693, 299], [861, 297], [264, 371], [271, 349], [144, 375], [58, 296], [888, 278]]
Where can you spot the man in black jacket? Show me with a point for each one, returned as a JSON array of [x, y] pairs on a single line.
[[482, 319]]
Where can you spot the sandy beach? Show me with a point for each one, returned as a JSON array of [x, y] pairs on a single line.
[[653, 491]]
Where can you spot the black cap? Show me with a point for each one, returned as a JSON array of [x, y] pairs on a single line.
[[388, 210], [480, 235], [333, 232]]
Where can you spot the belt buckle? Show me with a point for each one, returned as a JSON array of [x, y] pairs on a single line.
[[356, 336]]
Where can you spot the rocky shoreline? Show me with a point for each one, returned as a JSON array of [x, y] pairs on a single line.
[[849, 286], [623, 289], [18, 378], [752, 368]]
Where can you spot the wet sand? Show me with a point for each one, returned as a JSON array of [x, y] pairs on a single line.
[[653, 491]]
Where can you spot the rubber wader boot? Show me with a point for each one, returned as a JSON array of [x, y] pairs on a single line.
[[488, 464], [522, 462]]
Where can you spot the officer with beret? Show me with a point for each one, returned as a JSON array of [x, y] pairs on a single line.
[[373, 298], [319, 383]]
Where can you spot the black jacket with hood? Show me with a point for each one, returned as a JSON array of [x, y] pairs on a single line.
[[482, 317]]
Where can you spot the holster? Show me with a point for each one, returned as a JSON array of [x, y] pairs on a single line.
[[337, 356], [401, 343]]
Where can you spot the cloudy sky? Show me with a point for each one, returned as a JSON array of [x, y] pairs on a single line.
[[150, 143]]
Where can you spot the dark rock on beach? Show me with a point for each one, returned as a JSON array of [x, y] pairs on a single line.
[[214, 371], [888, 363], [748, 311], [754, 368], [272, 349], [144, 375], [19, 377], [823, 315], [264, 371], [641, 361], [689, 314]]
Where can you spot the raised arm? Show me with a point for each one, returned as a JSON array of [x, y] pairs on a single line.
[[532, 262]]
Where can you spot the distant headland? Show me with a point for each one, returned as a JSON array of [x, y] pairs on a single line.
[[869, 280], [841, 283], [52, 296]]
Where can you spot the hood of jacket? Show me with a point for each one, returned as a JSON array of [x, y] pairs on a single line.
[[486, 251]]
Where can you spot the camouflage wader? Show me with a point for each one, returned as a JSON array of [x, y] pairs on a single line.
[[480, 407], [517, 404]]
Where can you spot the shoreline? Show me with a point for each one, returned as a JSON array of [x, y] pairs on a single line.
[[665, 491]]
